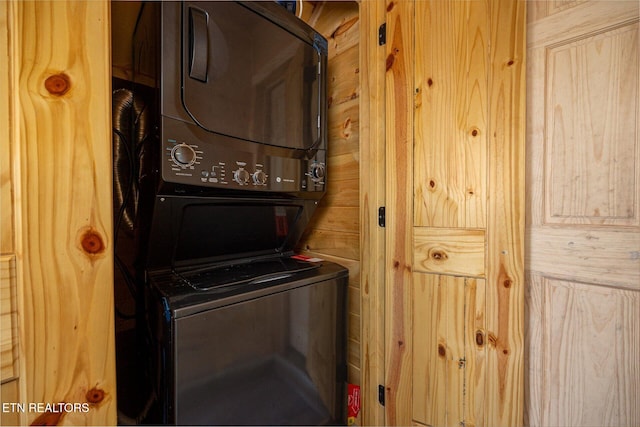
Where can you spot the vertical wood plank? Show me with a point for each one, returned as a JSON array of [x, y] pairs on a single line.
[[399, 135], [429, 365], [448, 355], [451, 113], [6, 170], [505, 226], [372, 196], [476, 345], [60, 65]]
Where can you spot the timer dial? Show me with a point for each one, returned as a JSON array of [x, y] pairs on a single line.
[[259, 177], [317, 172], [183, 155], [241, 176]]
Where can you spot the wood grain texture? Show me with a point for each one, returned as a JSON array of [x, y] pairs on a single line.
[[591, 368], [469, 173], [372, 196], [451, 122], [438, 349], [603, 257], [583, 235], [8, 319], [10, 393], [450, 337], [6, 169], [60, 69], [399, 214], [506, 214], [591, 142], [453, 251]]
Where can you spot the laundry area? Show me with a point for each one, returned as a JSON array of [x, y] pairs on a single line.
[[220, 160], [376, 212]]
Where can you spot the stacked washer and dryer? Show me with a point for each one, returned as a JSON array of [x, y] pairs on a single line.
[[219, 163]]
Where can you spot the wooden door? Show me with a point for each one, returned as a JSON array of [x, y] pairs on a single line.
[[583, 214], [455, 212]]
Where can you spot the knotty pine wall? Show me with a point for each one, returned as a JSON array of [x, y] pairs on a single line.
[[334, 232]]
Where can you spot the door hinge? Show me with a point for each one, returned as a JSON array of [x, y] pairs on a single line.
[[381, 394], [382, 216], [382, 34]]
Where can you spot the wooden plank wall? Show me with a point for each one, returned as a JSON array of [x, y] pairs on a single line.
[[334, 232], [56, 63]]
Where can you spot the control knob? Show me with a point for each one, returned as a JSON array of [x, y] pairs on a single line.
[[183, 155], [317, 172], [241, 176], [259, 177]]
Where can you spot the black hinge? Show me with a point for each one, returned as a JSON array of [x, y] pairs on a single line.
[[381, 394], [382, 34], [382, 217]]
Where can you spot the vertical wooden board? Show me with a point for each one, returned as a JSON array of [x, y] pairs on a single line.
[[450, 114], [592, 346], [372, 195], [428, 359], [453, 342], [505, 227], [476, 345], [6, 170], [448, 374], [533, 378], [65, 270], [399, 223]]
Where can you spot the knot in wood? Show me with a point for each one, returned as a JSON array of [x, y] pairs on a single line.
[[92, 242], [390, 60], [58, 84], [439, 255], [95, 395]]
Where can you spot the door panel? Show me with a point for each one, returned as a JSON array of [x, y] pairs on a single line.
[[449, 342], [455, 262], [583, 210], [451, 120]]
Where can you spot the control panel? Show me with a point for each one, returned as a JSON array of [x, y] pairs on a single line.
[[216, 165]]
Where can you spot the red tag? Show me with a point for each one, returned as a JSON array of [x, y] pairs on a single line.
[[282, 225], [353, 404]]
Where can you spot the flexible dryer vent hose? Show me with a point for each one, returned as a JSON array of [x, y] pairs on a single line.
[[129, 131]]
